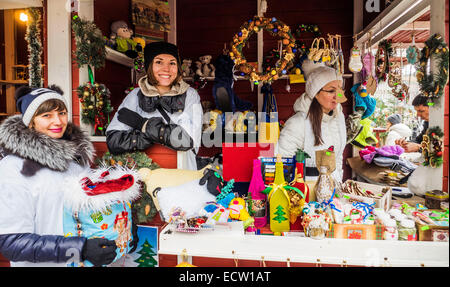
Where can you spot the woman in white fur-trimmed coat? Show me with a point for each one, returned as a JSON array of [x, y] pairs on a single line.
[[39, 150], [318, 122]]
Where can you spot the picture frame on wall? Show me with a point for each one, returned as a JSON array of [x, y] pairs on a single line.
[[151, 19]]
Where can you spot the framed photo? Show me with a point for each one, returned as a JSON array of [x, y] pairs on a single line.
[[151, 18]]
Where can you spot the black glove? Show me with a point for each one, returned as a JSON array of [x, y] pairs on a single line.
[[131, 118], [99, 251], [170, 135], [134, 243], [215, 181]]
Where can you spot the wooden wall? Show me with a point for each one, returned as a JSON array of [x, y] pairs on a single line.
[[204, 26]]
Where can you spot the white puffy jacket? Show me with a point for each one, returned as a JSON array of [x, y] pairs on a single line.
[[297, 134], [396, 132]]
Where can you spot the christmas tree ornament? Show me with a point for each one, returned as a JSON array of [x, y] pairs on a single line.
[[384, 52], [432, 147], [412, 53], [355, 64]]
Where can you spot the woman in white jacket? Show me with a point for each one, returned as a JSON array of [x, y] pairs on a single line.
[[396, 129], [318, 122]]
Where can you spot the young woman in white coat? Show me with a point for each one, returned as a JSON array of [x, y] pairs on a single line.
[[39, 149], [318, 122]]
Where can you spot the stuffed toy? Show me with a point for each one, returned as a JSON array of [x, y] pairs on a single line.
[[364, 103], [98, 204], [121, 37], [206, 68], [186, 68], [168, 177], [214, 179], [238, 211]]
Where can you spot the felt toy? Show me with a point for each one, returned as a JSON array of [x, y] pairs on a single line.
[[355, 65], [167, 177], [98, 204], [214, 179], [186, 68], [238, 211], [279, 200], [121, 37], [365, 105], [190, 197], [205, 69], [366, 136], [259, 200]]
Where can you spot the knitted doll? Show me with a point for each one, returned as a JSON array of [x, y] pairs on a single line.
[[121, 37]]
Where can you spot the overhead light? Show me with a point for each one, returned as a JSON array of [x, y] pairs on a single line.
[[23, 17]]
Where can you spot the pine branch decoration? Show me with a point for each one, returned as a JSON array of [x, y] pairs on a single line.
[[90, 45], [33, 37]]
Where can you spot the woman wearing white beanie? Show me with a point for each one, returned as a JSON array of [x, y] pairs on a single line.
[[318, 122]]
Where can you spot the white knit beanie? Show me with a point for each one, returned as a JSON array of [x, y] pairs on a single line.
[[317, 76]]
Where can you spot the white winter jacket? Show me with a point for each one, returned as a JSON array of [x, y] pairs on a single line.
[[396, 132], [297, 134]]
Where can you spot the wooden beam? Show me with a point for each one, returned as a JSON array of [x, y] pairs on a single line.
[[417, 25], [10, 58]]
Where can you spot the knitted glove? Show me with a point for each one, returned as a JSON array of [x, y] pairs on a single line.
[[99, 251]]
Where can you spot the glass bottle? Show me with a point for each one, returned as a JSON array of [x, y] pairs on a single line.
[[259, 199]]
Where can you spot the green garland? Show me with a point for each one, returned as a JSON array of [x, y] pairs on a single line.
[[432, 85], [143, 209], [432, 147], [33, 37]]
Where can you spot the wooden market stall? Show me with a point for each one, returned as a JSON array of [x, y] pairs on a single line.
[[202, 28]]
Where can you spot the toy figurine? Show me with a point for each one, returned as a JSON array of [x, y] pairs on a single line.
[[121, 37]]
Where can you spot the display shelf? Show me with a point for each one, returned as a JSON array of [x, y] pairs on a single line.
[[231, 243], [239, 78], [118, 57]]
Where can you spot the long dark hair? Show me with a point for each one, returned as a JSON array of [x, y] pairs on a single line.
[[315, 114]]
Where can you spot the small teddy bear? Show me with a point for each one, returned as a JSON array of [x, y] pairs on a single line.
[[186, 68], [207, 69]]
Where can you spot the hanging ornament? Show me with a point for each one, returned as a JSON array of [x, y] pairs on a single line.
[[432, 151], [355, 64]]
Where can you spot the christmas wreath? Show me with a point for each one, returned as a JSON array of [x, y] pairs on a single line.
[[432, 147], [275, 28], [95, 106], [432, 85], [301, 48], [382, 59]]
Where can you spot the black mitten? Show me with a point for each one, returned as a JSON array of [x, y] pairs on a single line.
[[134, 243], [131, 118], [215, 181], [99, 251]]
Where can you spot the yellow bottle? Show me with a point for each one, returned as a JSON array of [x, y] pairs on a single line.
[[279, 202]]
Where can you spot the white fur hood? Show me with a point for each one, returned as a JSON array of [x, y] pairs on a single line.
[[402, 129]]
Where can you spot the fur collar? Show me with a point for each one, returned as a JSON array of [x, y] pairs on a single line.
[[55, 154], [151, 91]]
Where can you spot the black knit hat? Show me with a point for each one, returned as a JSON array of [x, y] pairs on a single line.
[[156, 48]]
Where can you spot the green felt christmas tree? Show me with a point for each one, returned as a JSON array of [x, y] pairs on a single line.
[[280, 214], [146, 259]]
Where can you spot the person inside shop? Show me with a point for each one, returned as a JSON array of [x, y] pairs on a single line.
[[396, 129], [420, 104], [162, 110], [318, 122], [38, 150]]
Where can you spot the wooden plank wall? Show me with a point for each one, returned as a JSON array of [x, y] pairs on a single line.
[[204, 26]]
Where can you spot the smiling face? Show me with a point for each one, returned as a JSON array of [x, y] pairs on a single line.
[[327, 96], [52, 123], [165, 71]]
